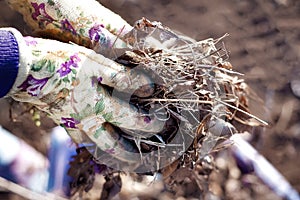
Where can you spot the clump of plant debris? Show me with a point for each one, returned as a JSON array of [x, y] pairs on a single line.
[[197, 93], [82, 170]]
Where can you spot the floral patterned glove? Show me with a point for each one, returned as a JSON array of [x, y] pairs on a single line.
[[86, 23], [67, 81]]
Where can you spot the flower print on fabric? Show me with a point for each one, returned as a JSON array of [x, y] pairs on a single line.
[[96, 34], [96, 81], [147, 119], [110, 151], [67, 26], [40, 14], [95, 31], [65, 68], [30, 41], [33, 86], [69, 122], [75, 59]]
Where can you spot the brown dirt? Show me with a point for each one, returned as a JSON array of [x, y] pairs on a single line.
[[264, 44]]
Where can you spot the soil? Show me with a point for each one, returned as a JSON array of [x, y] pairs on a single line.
[[264, 44]]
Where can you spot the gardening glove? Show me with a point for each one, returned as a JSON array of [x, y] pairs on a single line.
[[86, 23], [67, 82]]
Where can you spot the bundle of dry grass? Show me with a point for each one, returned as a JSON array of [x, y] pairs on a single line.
[[194, 84]]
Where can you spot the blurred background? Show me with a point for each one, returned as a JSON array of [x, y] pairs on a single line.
[[263, 43]]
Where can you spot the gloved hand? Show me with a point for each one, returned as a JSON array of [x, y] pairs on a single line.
[[67, 80], [86, 23]]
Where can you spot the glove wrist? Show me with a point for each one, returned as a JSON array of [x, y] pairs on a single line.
[[9, 61], [14, 57]]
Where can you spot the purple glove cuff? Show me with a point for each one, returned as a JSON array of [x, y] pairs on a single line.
[[9, 61]]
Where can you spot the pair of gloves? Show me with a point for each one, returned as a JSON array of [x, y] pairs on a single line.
[[70, 81]]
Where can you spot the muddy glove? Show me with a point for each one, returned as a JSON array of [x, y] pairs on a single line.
[[69, 83]]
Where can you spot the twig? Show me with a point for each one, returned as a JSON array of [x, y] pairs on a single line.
[[178, 100], [26, 193], [242, 111]]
